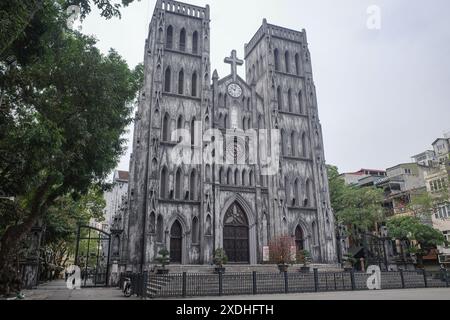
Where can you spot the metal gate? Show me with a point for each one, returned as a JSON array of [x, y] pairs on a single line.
[[92, 256]]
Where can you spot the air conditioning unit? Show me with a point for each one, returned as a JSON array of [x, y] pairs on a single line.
[[444, 258]]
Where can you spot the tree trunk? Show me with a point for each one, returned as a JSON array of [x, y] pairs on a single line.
[[9, 274]]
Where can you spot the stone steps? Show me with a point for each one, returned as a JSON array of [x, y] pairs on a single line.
[[234, 268]]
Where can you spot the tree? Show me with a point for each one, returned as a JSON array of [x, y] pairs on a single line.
[[412, 229], [62, 118], [61, 226], [354, 206]]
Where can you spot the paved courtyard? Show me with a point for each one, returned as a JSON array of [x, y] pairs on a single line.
[[57, 290]]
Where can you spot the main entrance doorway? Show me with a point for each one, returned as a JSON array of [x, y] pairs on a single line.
[[235, 235], [176, 242]]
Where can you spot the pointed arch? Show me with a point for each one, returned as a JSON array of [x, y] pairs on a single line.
[[283, 142], [229, 176], [164, 183], [300, 102], [236, 176], [221, 175], [167, 79], [208, 173], [195, 42], [276, 57], [195, 231], [296, 193], [293, 143], [169, 37], [244, 177], [152, 222], [304, 145], [287, 61], [159, 229], [166, 128], [182, 44], [179, 184], [251, 178], [299, 238], [193, 185], [290, 100], [279, 98], [297, 64], [194, 84], [181, 82], [208, 225]]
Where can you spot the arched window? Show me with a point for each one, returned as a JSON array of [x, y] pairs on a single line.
[[169, 37], [286, 61], [178, 184], [166, 128], [164, 183], [193, 185], [248, 103], [276, 57], [308, 202], [195, 42], [244, 178], [279, 99], [244, 123], [236, 177], [167, 80], [249, 123], [250, 178], [299, 242], [296, 192], [297, 64], [263, 180], [183, 40], [159, 229], [194, 84], [152, 222], [284, 225], [180, 123], [220, 100], [181, 82], [290, 100], [195, 231], [283, 144], [300, 102], [293, 143], [304, 146], [229, 176], [192, 131], [225, 100], [208, 225]]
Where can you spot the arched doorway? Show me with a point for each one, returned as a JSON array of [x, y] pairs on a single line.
[[299, 241], [236, 235], [176, 241]]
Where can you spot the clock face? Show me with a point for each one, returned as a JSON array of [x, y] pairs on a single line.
[[234, 90]]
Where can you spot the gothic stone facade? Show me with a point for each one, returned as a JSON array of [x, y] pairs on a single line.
[[193, 209]]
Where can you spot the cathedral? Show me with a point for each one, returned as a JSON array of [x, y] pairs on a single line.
[[224, 162]]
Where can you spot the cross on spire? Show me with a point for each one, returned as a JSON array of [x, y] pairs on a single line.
[[234, 62]]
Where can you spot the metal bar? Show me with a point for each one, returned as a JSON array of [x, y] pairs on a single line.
[[107, 261], [352, 279], [255, 289], [316, 280], [286, 284], [402, 278], [184, 285], [220, 284], [87, 259]]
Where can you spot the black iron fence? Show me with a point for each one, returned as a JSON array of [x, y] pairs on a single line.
[[149, 285]]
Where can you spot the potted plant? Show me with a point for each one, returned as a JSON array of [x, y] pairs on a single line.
[[349, 262], [305, 258], [280, 250], [164, 260], [220, 258]]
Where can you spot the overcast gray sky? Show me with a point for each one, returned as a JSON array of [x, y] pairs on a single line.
[[384, 95]]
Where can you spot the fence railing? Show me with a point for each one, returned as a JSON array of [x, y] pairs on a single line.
[[149, 285]]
